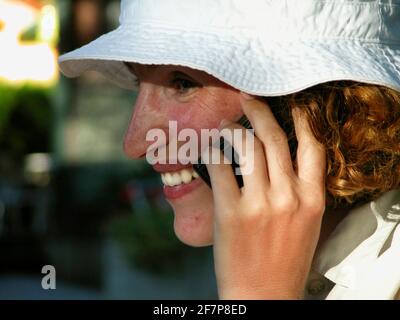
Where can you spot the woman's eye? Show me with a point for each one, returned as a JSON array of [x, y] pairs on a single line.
[[183, 85]]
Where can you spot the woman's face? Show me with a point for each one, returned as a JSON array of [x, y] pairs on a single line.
[[195, 100]]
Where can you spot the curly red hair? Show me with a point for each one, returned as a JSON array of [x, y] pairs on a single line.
[[359, 125]]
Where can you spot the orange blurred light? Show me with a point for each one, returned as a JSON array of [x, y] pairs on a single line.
[[21, 62]]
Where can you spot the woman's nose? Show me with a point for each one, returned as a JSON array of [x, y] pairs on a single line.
[[146, 116]]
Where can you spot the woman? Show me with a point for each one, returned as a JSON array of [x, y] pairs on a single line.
[[318, 220]]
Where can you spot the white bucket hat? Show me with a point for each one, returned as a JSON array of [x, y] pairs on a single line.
[[262, 47]]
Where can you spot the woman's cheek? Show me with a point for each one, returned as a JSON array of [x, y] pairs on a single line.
[[218, 105], [206, 110]]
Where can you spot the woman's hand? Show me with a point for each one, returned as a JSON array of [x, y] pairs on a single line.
[[265, 234]]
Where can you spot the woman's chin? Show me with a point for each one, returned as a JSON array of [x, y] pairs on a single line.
[[194, 227], [193, 221]]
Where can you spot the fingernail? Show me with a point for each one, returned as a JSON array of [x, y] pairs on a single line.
[[246, 96]]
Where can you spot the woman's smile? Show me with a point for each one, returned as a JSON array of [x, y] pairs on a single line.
[[183, 188], [179, 182]]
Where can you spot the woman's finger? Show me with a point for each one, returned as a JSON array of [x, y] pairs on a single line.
[[223, 182], [311, 155], [273, 138], [251, 157]]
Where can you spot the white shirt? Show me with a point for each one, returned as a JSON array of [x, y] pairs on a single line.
[[361, 258]]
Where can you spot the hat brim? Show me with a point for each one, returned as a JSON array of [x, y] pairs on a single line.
[[247, 65]]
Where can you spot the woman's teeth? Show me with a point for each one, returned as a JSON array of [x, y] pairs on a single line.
[[178, 177]]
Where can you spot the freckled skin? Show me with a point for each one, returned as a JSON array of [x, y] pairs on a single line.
[[199, 108]]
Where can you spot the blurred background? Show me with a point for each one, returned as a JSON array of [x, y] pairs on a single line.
[[69, 197]]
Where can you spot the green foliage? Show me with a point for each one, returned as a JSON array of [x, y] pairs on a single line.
[[149, 242], [25, 119], [8, 98]]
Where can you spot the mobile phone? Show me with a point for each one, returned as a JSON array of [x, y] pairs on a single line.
[[201, 168]]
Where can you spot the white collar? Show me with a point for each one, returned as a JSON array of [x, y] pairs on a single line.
[[360, 239]]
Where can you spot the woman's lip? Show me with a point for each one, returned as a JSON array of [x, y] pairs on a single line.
[[181, 190]]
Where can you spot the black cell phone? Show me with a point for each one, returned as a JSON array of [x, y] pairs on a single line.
[[201, 168]]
